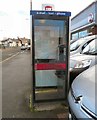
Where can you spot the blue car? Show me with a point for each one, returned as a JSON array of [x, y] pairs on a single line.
[[82, 96]]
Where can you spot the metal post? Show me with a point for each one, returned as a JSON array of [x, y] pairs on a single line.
[[30, 4]]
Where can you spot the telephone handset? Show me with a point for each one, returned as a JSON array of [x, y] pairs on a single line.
[[61, 53]]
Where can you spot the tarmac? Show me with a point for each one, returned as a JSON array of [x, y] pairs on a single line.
[[16, 93]]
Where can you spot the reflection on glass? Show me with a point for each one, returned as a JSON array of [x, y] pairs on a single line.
[[76, 44], [91, 48]]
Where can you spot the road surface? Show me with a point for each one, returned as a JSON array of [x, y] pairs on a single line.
[[16, 83]]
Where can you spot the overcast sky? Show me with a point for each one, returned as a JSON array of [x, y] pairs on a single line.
[[15, 14]]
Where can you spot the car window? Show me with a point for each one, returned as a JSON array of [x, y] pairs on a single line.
[[86, 44], [91, 48], [76, 44]]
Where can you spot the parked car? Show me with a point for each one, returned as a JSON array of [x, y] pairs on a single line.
[[28, 47], [78, 45], [72, 41], [82, 96], [23, 47], [84, 60]]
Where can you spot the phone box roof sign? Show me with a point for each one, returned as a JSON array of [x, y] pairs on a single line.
[[48, 7]]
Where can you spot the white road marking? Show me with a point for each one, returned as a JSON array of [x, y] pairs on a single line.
[[9, 57]]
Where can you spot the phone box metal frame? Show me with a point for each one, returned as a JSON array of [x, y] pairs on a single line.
[[50, 55]]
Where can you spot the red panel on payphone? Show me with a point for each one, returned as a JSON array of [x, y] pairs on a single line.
[[50, 66]]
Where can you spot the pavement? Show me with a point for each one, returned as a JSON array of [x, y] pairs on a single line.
[[17, 88]]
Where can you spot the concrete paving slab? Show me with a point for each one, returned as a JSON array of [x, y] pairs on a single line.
[[50, 106]]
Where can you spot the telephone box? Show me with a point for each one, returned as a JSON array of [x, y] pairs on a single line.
[[50, 55]]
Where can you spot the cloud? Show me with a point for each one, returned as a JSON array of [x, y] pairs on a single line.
[[2, 13], [21, 12]]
